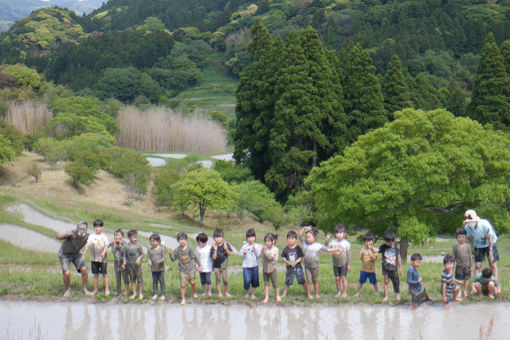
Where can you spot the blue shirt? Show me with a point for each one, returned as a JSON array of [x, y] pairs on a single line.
[[412, 280], [480, 232]]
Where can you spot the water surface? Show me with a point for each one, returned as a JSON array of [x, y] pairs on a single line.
[[27, 239]]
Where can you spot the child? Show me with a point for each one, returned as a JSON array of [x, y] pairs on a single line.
[[270, 256], [416, 289], [341, 259], [391, 264], [292, 255], [203, 254], [311, 259], [133, 252], [220, 252], [250, 252], [462, 257], [156, 261], [98, 244], [117, 247], [449, 290], [485, 283], [368, 257], [184, 253]]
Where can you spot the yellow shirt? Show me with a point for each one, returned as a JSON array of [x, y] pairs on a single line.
[[368, 259]]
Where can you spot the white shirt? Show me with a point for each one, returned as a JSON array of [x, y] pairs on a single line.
[[204, 258], [97, 243]]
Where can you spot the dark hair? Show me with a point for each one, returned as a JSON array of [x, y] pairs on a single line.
[[416, 257], [119, 231], [218, 233], [313, 231], [487, 273], [448, 259], [202, 238], [461, 231], [271, 237], [98, 223], [132, 232], [250, 233], [339, 228], [389, 236], [292, 234], [368, 237], [182, 236], [155, 237]]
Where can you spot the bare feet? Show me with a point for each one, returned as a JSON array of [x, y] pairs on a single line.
[[253, 297], [385, 299], [465, 294], [67, 293], [283, 295], [220, 295], [278, 298], [209, 294], [357, 294], [344, 295], [310, 297], [491, 296], [228, 295], [338, 295], [87, 293], [107, 292], [265, 301], [195, 296], [132, 297], [141, 296], [154, 297], [162, 298], [398, 298], [317, 296], [183, 302]]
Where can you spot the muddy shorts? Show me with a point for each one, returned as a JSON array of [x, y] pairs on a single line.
[[340, 271], [271, 277], [480, 253], [395, 279], [187, 277], [297, 272], [99, 268], [462, 273], [205, 278], [221, 274], [417, 298], [312, 274], [67, 259], [134, 273]]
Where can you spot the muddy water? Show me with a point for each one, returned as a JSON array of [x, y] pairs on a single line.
[[29, 320], [27, 239]]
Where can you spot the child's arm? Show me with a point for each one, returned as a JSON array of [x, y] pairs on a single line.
[[214, 252], [85, 250], [140, 257], [348, 259], [149, 259], [443, 292], [162, 257], [399, 261], [64, 235], [105, 249], [470, 260], [227, 248], [171, 255]]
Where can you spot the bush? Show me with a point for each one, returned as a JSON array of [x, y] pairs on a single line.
[[13, 135], [6, 152], [51, 149], [35, 171], [254, 197], [130, 166], [232, 172], [162, 186], [79, 173], [88, 148]]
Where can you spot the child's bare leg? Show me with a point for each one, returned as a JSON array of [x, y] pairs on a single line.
[[96, 282], [414, 306], [491, 287], [338, 286], [194, 290], [225, 289], [277, 292], [344, 283], [67, 281], [106, 285], [385, 287], [307, 290], [133, 289], [84, 280], [140, 291], [285, 289], [218, 288], [183, 293], [359, 289], [376, 287], [466, 284], [494, 268], [266, 292], [457, 293], [316, 289], [209, 292]]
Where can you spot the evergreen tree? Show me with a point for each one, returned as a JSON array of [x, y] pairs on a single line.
[[455, 101], [424, 95], [505, 52], [394, 88], [490, 102], [363, 99]]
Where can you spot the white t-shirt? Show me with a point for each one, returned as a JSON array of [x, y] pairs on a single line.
[[204, 258], [97, 243]]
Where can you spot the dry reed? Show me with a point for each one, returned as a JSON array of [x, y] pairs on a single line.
[[161, 129], [28, 116]]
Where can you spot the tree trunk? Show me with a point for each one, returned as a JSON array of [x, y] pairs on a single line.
[[202, 209], [404, 245]]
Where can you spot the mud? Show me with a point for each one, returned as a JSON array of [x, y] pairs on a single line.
[[27, 239], [67, 320]]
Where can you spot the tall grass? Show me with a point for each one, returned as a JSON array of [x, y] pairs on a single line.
[[28, 116], [161, 129]]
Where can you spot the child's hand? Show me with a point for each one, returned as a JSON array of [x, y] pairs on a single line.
[[471, 269], [215, 247], [328, 236], [138, 262], [349, 268], [419, 280], [149, 263], [245, 251], [399, 271], [445, 299], [124, 266], [200, 269], [225, 246]]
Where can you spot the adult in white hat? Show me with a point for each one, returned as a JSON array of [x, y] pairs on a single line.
[[483, 237]]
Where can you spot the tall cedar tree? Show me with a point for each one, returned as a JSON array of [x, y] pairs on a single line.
[[363, 99], [309, 124], [505, 52], [490, 102], [455, 99], [395, 89], [424, 95]]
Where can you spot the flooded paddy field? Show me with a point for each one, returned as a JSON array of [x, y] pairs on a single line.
[[27, 239], [79, 320]]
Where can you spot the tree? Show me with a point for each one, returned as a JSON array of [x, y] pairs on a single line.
[[25, 76], [416, 175], [79, 173], [253, 197], [7, 154], [131, 166], [505, 52], [204, 189], [424, 95], [163, 182], [394, 88], [455, 100]]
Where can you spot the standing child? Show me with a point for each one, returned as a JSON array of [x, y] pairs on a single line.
[[391, 264], [416, 289], [250, 252], [187, 263], [117, 247], [270, 256], [311, 259], [449, 290], [203, 254], [98, 244], [368, 257], [134, 255], [220, 252], [462, 257], [156, 261], [341, 258], [292, 255]]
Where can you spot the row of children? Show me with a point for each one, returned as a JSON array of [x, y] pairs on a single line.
[[214, 259]]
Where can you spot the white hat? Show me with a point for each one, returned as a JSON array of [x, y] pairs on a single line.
[[470, 215]]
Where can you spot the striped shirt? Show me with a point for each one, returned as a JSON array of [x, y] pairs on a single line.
[[447, 278]]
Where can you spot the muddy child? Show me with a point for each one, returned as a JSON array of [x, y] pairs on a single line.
[[416, 290], [485, 283], [250, 253], [292, 255], [203, 255], [391, 264], [220, 251], [463, 263], [156, 262], [368, 257], [341, 259], [270, 257], [187, 263], [98, 245], [133, 253], [449, 290], [117, 249]]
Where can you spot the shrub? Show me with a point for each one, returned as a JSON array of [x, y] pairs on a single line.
[[79, 173], [130, 166], [163, 182], [14, 136], [232, 172], [51, 149], [35, 171]]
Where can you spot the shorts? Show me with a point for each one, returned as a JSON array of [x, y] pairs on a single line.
[[187, 277], [297, 272], [363, 276], [67, 259], [312, 274], [221, 274], [99, 268], [272, 277], [462, 273], [340, 271], [134, 273], [205, 278], [480, 253], [395, 279], [418, 298], [251, 277]]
